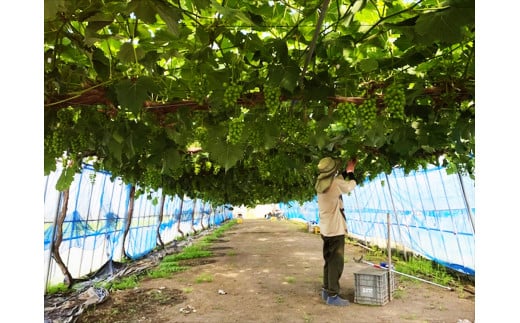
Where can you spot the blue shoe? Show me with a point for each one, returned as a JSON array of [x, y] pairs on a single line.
[[324, 294], [337, 301]]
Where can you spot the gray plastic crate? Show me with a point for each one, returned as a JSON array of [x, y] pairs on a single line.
[[372, 286]]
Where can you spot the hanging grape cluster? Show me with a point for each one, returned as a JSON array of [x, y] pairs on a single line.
[[199, 92], [303, 133], [176, 172], [216, 169], [347, 113], [288, 125], [272, 98], [236, 126], [395, 101], [263, 169], [59, 139], [196, 167], [92, 178], [207, 165], [54, 143], [152, 178], [232, 93], [368, 112], [80, 142], [200, 134], [255, 134]]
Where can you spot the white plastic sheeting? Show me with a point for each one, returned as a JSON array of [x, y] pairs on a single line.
[[431, 214], [97, 215]]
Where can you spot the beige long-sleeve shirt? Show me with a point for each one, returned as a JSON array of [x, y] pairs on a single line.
[[330, 202]]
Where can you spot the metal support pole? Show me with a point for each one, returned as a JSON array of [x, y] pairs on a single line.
[[58, 207], [396, 217], [389, 248], [470, 214]]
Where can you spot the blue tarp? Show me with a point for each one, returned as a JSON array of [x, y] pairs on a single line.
[[431, 214], [97, 215]]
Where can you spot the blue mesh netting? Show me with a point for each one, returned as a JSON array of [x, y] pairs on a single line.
[[431, 214], [97, 215]]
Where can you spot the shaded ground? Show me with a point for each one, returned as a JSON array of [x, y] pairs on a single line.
[[270, 271]]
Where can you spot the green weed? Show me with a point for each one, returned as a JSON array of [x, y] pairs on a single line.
[[165, 269], [124, 283], [307, 318], [425, 269], [189, 252], [290, 279], [397, 294], [59, 288], [204, 278]]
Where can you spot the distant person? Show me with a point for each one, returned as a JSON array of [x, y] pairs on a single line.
[[330, 185]]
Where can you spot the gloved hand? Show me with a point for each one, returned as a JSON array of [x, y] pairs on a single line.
[[351, 165]]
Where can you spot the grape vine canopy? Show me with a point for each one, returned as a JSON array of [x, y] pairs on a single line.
[[235, 101]]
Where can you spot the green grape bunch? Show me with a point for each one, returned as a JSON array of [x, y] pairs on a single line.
[[66, 116], [59, 140], [348, 114], [255, 135], [288, 124], [395, 101], [232, 93], [55, 143], [176, 172], [200, 134], [263, 169], [207, 165], [199, 92], [368, 112], [152, 178], [196, 167], [303, 133], [272, 98], [236, 126]]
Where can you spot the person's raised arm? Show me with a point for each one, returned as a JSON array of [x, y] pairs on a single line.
[[349, 170]]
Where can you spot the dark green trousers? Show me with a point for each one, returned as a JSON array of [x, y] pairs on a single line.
[[333, 254]]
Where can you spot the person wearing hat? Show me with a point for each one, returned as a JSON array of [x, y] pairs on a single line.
[[330, 185]]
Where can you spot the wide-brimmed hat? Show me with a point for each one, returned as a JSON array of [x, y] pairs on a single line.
[[327, 167]]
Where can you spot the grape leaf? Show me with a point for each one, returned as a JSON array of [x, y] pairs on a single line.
[[66, 178], [131, 94]]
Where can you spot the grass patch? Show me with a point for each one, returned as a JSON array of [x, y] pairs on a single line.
[[301, 226], [199, 249], [204, 278], [425, 269], [418, 266], [410, 317], [290, 279], [122, 283], [165, 269], [189, 252], [280, 299], [397, 294], [59, 288]]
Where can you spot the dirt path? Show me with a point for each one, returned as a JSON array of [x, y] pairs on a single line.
[[270, 271]]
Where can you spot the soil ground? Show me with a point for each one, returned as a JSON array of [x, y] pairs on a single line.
[[270, 271]]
